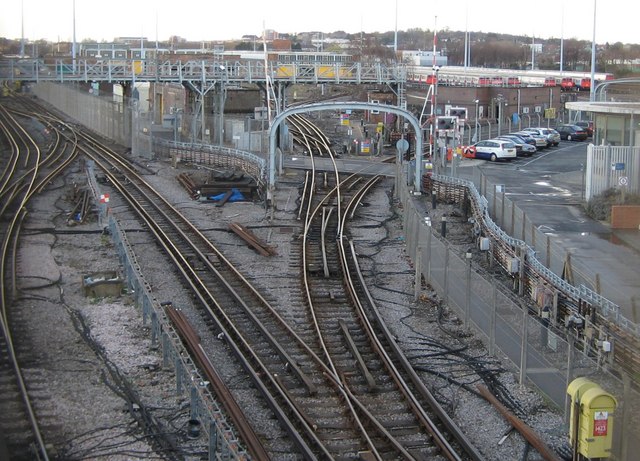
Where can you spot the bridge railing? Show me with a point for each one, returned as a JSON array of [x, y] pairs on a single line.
[[200, 71]]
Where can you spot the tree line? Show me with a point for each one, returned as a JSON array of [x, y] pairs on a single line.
[[485, 49]]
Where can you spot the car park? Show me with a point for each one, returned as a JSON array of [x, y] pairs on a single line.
[[523, 148], [493, 149], [572, 133], [586, 126], [552, 136], [541, 142]]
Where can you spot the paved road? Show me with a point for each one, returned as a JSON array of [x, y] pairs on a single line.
[[548, 187]]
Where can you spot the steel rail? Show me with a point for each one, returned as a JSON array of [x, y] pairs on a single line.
[[311, 213], [418, 410], [358, 409], [183, 266], [21, 192]]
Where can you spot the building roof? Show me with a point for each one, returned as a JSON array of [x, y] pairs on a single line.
[[621, 108]]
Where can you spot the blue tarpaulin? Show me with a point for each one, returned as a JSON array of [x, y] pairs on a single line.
[[236, 196]]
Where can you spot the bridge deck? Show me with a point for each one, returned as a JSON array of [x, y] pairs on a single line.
[[198, 71]]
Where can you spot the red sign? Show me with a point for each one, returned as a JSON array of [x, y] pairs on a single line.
[[600, 423], [104, 198]]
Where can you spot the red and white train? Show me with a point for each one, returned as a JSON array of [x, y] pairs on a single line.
[[482, 76]]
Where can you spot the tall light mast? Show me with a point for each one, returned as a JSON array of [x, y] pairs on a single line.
[[592, 93]]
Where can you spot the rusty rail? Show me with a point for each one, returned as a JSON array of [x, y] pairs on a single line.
[[528, 433], [258, 244], [192, 341]]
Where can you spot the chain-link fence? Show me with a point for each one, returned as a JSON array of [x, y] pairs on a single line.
[[550, 252]]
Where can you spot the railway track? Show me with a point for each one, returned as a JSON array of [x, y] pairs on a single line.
[[268, 349], [330, 372], [391, 419], [325, 412], [26, 172]]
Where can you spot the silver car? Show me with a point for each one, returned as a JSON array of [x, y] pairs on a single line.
[[551, 135], [541, 141]]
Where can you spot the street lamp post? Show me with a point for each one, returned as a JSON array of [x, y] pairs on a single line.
[[593, 56], [434, 117], [475, 135], [500, 99], [499, 114]]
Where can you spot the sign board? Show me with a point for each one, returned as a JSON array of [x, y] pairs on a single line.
[[261, 113], [364, 147], [104, 198], [550, 112], [402, 145], [600, 423], [617, 167], [623, 181]]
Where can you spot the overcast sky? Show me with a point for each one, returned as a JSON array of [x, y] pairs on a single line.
[[196, 20]]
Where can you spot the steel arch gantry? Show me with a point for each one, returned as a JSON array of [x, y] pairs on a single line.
[[314, 107]]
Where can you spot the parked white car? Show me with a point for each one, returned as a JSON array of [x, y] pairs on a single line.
[[493, 149]]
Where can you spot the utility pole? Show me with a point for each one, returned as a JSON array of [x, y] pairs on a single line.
[[592, 93]]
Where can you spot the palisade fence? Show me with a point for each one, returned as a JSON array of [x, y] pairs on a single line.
[[111, 119], [487, 128], [131, 127], [612, 167], [544, 356]]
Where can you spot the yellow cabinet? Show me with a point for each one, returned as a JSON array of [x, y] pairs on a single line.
[[591, 421]]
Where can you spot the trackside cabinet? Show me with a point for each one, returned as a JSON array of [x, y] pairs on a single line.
[[576, 389], [591, 424]]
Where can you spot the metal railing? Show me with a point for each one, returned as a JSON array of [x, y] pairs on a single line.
[[199, 71]]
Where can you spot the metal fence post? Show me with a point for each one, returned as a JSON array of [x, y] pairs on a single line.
[[548, 252], [492, 321], [502, 207], [418, 274], [428, 249], [570, 361], [524, 345], [467, 307], [522, 254], [446, 273]]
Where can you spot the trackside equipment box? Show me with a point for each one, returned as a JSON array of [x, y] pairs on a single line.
[[591, 425]]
